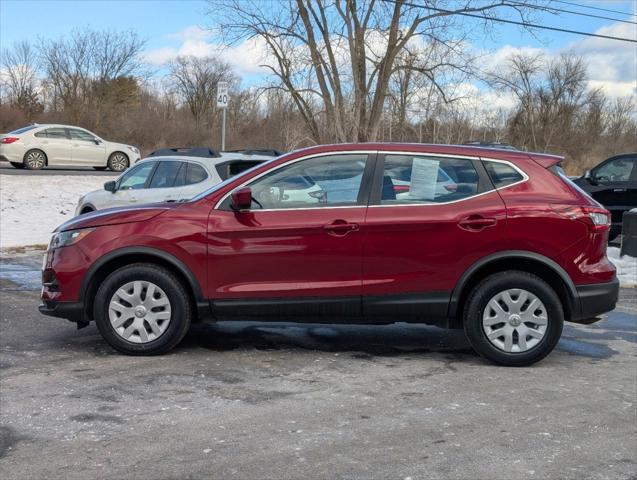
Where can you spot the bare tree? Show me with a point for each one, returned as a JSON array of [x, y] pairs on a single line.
[[195, 79], [81, 68], [336, 58], [20, 78]]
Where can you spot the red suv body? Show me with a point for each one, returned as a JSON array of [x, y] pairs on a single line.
[[498, 242]]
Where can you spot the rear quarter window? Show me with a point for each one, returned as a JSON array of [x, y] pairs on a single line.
[[502, 174]]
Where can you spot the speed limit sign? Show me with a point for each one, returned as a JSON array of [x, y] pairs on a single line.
[[222, 94]]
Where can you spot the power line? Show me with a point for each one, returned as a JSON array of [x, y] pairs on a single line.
[[595, 8], [513, 22], [573, 12]]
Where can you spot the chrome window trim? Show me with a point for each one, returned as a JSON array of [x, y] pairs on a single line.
[[525, 178]]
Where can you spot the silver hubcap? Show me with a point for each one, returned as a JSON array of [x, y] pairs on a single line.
[[139, 312], [118, 162], [515, 320], [35, 159]]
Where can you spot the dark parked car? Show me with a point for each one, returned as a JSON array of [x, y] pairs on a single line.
[[509, 253], [613, 183]]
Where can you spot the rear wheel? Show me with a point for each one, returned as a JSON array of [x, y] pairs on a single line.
[[118, 162], [34, 159], [513, 318], [17, 165], [142, 309]]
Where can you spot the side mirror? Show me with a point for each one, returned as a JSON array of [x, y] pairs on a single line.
[[97, 141], [110, 186], [242, 199], [587, 174]]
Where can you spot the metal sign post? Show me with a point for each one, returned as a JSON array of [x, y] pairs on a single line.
[[222, 102]]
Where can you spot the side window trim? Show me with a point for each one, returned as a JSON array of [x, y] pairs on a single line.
[[525, 177]]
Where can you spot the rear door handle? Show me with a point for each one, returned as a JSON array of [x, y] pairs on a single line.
[[476, 223], [340, 228]]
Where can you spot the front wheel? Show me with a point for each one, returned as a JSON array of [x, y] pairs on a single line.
[[513, 318], [142, 309], [118, 162]]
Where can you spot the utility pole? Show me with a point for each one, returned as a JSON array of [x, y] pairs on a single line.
[[222, 102]]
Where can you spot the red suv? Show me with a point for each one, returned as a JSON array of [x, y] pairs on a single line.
[[497, 242]]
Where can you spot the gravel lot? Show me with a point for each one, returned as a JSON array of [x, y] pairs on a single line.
[[258, 400]]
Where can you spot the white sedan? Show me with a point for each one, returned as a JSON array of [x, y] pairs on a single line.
[[37, 146], [167, 179]]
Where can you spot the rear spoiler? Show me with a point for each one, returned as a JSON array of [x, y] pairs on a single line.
[[546, 161]]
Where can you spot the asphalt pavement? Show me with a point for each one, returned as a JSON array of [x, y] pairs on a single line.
[[272, 401]]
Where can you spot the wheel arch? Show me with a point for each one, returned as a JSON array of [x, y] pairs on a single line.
[[90, 207], [539, 265], [110, 262]]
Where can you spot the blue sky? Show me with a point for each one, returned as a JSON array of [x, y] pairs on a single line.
[[170, 27]]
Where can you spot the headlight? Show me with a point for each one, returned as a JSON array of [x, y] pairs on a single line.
[[134, 149], [64, 239]]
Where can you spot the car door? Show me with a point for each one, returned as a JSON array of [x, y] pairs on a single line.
[[87, 150], [614, 184], [294, 252], [422, 233], [56, 144], [132, 183]]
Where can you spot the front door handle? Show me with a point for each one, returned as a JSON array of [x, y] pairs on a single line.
[[340, 228], [475, 223]]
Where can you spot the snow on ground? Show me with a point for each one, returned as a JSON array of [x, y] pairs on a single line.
[[626, 267], [31, 206]]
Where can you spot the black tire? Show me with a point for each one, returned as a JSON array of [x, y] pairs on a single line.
[[87, 210], [118, 162], [100, 168], [181, 308], [17, 165], [34, 159], [490, 287]]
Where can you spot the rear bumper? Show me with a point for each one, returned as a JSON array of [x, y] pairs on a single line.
[[596, 299], [73, 311]]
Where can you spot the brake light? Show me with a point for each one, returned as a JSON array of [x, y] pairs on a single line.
[[597, 219], [7, 140]]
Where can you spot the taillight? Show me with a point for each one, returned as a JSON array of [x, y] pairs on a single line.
[[7, 140], [597, 219]]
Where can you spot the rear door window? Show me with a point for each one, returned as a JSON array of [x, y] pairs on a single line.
[[59, 133], [419, 179], [165, 175]]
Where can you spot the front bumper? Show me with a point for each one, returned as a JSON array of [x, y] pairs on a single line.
[[595, 300]]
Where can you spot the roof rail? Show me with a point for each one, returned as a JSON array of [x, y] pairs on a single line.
[[203, 152]]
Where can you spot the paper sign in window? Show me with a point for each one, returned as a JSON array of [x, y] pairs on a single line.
[[424, 174]]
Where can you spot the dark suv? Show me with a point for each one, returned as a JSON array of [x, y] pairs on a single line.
[[613, 183], [500, 243]]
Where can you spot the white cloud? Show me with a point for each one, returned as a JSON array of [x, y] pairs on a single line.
[[246, 57]]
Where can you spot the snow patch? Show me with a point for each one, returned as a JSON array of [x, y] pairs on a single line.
[[626, 267], [31, 206]]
